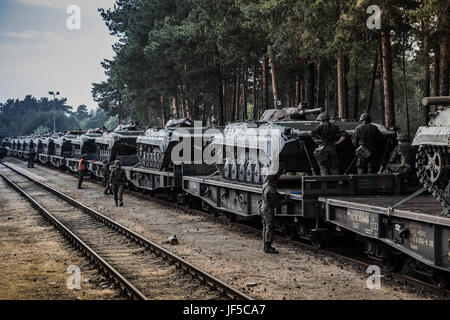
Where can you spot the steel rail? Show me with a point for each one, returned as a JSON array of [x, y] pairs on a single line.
[[126, 287], [156, 249], [256, 231]]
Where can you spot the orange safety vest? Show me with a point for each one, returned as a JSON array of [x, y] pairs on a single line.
[[81, 165]]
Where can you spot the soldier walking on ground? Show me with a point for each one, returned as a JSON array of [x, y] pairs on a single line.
[[365, 140], [269, 203], [106, 172], [402, 157], [331, 136], [118, 179], [82, 170]]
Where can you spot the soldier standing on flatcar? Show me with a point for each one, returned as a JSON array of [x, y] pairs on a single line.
[[106, 172], [331, 136], [82, 170], [118, 179], [365, 140], [267, 211]]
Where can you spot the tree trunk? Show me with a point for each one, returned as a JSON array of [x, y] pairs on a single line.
[[220, 110], [119, 109], [356, 99], [427, 79], [319, 95], [444, 65], [175, 105], [341, 86], [224, 103], [274, 78], [265, 83], [238, 94], [327, 92], [405, 93], [437, 72], [255, 95], [233, 98], [183, 101], [380, 59], [310, 83], [244, 94], [387, 79], [372, 84]]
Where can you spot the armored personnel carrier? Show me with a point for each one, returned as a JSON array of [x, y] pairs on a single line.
[[433, 158], [280, 142], [155, 146], [120, 144]]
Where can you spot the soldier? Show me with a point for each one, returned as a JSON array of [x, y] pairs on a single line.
[[402, 157], [82, 170], [31, 159], [106, 171], [118, 179], [365, 139], [269, 202], [326, 154]]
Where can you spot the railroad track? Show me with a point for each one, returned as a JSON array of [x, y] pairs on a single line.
[[140, 268], [363, 263]]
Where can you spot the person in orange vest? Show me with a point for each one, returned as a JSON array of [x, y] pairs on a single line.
[[82, 170]]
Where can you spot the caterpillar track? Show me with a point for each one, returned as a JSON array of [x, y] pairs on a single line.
[[433, 164]]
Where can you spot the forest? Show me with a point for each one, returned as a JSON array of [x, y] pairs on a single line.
[[33, 116], [230, 60]]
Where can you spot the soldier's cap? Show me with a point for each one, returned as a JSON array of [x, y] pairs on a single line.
[[403, 137], [323, 116], [83, 156], [117, 162], [365, 117]]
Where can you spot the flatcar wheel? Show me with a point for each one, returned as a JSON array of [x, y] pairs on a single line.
[[440, 280], [319, 240], [290, 232], [392, 262]]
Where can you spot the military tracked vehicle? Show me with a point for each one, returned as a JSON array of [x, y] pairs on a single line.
[[155, 146], [120, 144], [433, 158], [280, 142], [84, 143]]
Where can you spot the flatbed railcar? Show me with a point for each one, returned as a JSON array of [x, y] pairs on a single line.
[[415, 229]]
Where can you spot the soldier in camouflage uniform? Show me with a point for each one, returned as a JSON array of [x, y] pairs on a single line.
[[106, 171], [402, 157], [118, 179], [269, 202], [365, 139], [331, 136]]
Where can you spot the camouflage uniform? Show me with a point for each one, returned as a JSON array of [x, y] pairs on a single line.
[[329, 134], [402, 158], [367, 135], [106, 171], [269, 202], [118, 179]]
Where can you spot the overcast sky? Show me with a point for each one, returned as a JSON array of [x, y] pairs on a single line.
[[38, 53]]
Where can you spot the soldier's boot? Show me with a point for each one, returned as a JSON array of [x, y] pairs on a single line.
[[117, 204], [121, 203], [269, 249]]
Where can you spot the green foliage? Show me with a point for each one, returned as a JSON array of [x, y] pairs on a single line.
[[32, 116], [111, 123], [186, 49]]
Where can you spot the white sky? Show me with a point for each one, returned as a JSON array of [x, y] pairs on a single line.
[[38, 53]]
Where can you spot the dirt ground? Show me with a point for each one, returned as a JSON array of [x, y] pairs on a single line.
[[232, 255], [34, 258]]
